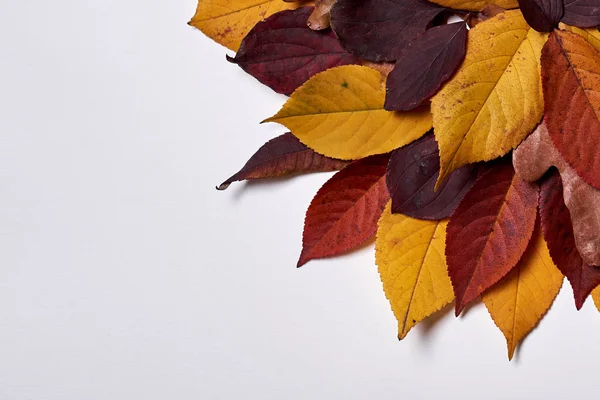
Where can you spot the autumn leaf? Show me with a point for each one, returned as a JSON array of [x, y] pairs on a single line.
[[282, 156], [495, 99], [344, 212], [320, 17], [489, 231], [582, 13], [378, 29], [228, 22], [339, 113], [542, 15], [283, 53], [596, 297], [570, 77], [424, 65], [590, 34], [411, 176], [519, 301], [476, 5], [533, 158], [410, 256], [558, 232]]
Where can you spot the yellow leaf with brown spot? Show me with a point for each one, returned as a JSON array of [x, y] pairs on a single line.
[[339, 113], [495, 100], [519, 301], [410, 255], [476, 5], [228, 21]]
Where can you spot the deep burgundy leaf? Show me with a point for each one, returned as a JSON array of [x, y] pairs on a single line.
[[542, 15], [558, 232], [283, 52], [424, 64], [281, 156], [377, 30], [411, 176], [582, 13], [344, 212]]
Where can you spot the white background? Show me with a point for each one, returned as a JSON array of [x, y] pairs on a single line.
[[125, 275]]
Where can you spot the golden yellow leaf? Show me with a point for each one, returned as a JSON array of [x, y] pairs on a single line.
[[228, 21], [410, 255], [339, 113], [476, 5], [591, 34], [519, 301], [495, 100], [596, 297]]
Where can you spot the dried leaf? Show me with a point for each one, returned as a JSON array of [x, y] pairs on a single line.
[[424, 65], [542, 15], [339, 113], [582, 13], [489, 231], [520, 300], [596, 297], [495, 99], [228, 22], [378, 29], [383, 67], [410, 256], [487, 12], [558, 232], [570, 77], [533, 158], [591, 34], [411, 176], [282, 156], [344, 212], [283, 53], [320, 17], [476, 5]]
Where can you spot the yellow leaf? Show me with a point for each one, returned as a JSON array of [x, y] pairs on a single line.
[[519, 301], [596, 297], [412, 266], [495, 100], [339, 113], [476, 5], [591, 34], [228, 21]]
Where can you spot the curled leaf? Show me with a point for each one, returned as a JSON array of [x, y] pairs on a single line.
[[411, 176], [489, 231], [424, 65], [519, 301], [558, 232], [410, 256], [533, 158], [339, 113], [344, 212], [320, 17], [283, 53], [282, 156]]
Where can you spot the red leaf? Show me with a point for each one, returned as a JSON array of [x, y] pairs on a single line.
[[283, 52], [582, 13], [378, 29], [489, 231], [424, 65], [281, 156], [411, 176], [542, 15], [345, 211], [570, 69], [558, 232]]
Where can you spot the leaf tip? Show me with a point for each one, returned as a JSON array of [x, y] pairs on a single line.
[[223, 186]]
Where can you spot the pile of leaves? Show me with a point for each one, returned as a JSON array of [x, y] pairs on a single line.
[[470, 149]]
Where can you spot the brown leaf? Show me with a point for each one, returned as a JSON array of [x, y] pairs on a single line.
[[320, 17], [531, 161]]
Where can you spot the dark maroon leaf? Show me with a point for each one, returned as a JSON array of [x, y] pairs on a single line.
[[283, 52], [411, 176], [558, 232], [424, 64], [542, 15], [582, 13], [281, 156], [377, 30]]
